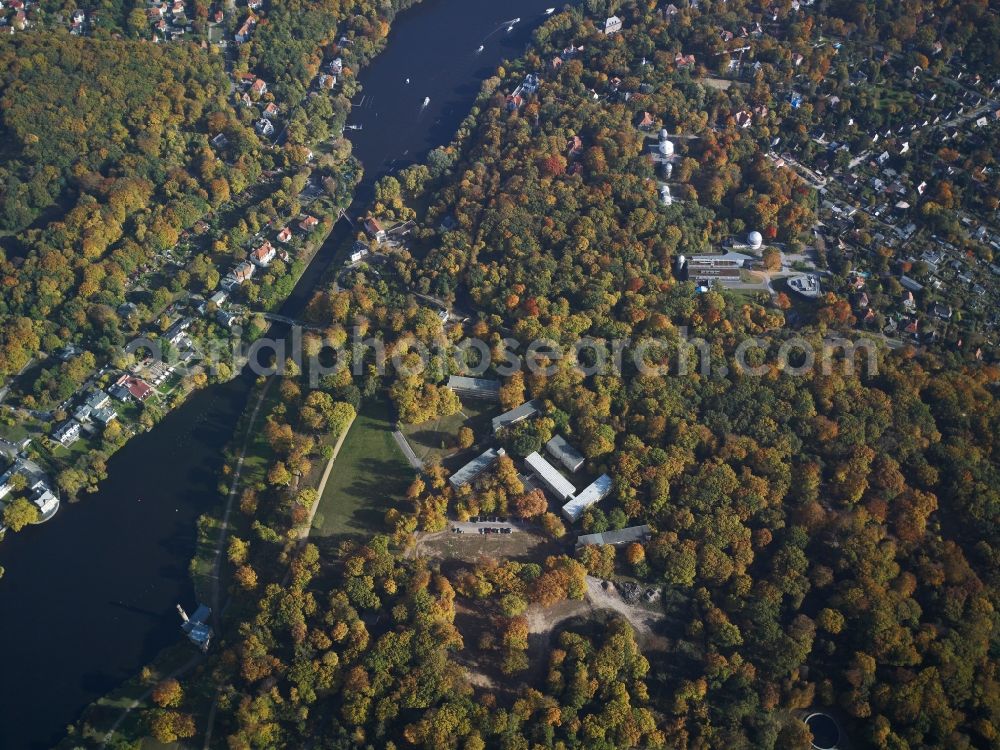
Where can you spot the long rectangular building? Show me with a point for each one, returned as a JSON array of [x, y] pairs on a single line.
[[620, 536], [557, 484], [475, 467], [475, 387], [517, 414], [594, 493]]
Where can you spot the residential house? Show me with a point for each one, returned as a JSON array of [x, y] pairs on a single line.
[[67, 433], [105, 415], [175, 333], [359, 251], [138, 389], [374, 229], [243, 272], [263, 255], [259, 87], [264, 127], [226, 318], [243, 33], [612, 25], [648, 122], [285, 234], [309, 223], [271, 110]]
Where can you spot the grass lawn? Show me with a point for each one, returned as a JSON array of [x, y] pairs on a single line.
[[436, 440], [369, 474]]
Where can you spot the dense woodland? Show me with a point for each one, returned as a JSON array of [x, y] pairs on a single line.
[[822, 540]]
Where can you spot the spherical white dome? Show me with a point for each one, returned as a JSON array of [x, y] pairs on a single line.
[[667, 147], [755, 240]]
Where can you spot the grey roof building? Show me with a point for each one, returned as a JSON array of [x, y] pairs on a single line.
[[475, 387], [517, 414], [475, 467], [556, 483], [594, 493], [621, 536], [565, 453]]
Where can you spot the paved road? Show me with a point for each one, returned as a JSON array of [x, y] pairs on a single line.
[[404, 446]]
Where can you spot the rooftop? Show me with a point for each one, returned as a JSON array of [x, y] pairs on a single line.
[[475, 467], [525, 410], [621, 536], [556, 482], [594, 493]]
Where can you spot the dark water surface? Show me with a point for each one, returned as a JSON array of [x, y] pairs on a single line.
[[89, 597]]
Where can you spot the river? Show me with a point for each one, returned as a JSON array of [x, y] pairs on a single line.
[[88, 598]]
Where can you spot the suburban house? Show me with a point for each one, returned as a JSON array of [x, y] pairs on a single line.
[[264, 127], [556, 483], [475, 467], [98, 400], [614, 538], [263, 255], [218, 298], [243, 33], [129, 385], [284, 235], [612, 25], [359, 251], [44, 499], [175, 333], [592, 494], [517, 414], [259, 87], [475, 387], [226, 318], [565, 453], [67, 433], [105, 415], [309, 223], [242, 272], [271, 110], [374, 229]]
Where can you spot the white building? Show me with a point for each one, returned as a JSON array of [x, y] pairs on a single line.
[[594, 493], [557, 484], [612, 25]]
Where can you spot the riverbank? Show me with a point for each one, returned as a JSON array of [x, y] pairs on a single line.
[[138, 553]]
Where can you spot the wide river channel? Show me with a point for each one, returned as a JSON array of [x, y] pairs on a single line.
[[89, 597]]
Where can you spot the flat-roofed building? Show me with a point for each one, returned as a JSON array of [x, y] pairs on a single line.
[[705, 269], [594, 493], [621, 536], [565, 453], [556, 483], [475, 467], [517, 414], [475, 387]]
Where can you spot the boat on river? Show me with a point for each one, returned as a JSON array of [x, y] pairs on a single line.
[[427, 100]]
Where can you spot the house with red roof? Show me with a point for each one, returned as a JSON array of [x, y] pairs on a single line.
[[263, 255]]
